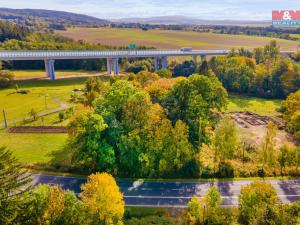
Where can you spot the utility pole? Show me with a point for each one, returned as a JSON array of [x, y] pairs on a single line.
[[46, 95], [4, 117]]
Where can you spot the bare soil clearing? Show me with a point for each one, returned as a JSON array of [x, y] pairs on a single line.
[[255, 127]]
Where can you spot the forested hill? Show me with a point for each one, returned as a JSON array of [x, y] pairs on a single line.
[[31, 17]]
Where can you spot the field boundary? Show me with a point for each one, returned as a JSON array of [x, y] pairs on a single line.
[[39, 129]]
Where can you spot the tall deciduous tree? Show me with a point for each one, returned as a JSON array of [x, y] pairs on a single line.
[[226, 139], [103, 199], [87, 141], [192, 100], [267, 149]]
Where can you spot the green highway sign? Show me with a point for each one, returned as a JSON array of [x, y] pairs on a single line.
[[132, 46]]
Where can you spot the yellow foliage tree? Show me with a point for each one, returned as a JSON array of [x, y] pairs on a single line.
[[103, 199], [55, 205]]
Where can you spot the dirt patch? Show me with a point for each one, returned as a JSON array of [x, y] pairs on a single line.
[[255, 126], [39, 129]]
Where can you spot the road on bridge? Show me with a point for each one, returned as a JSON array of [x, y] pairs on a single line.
[[174, 194]]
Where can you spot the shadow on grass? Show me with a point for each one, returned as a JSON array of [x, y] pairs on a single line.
[[241, 102]]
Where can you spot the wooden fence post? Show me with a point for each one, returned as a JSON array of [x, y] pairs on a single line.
[[4, 117]]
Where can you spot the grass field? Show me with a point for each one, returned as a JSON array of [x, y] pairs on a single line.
[[264, 107], [42, 73], [165, 39], [295, 35], [18, 105], [32, 148]]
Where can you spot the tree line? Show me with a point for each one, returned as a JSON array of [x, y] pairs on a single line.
[[145, 125], [101, 202], [262, 72]]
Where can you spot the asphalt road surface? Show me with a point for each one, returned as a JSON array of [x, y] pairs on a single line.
[[174, 194]]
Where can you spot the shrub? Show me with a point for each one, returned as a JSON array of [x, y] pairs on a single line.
[[6, 78], [34, 115], [62, 116]]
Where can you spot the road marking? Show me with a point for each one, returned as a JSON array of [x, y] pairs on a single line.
[[188, 197], [146, 189]]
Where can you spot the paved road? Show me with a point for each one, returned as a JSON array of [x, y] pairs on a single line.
[[175, 194]]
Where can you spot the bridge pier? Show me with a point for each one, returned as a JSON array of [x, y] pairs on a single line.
[[49, 67], [195, 59], [156, 64], [116, 66], [164, 62], [108, 65]]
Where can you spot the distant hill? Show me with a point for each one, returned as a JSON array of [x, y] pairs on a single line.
[[183, 20], [56, 19]]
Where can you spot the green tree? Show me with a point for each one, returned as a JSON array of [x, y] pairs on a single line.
[[195, 212], [73, 212], [283, 158], [207, 210], [87, 140], [226, 139], [191, 101], [267, 150], [14, 187], [54, 206], [257, 202]]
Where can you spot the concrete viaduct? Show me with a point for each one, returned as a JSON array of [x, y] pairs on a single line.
[[159, 56]]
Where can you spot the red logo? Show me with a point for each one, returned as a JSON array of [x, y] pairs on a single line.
[[286, 15]]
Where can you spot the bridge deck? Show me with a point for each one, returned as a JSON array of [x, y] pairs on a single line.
[[40, 55]]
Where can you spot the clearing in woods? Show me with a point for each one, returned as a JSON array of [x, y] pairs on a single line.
[[166, 39]]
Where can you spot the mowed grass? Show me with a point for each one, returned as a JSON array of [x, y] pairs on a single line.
[[18, 105], [32, 148], [165, 39], [42, 73], [264, 107]]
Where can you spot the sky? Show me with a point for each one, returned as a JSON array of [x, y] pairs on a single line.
[[202, 9]]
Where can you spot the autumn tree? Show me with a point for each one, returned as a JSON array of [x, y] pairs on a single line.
[[94, 87], [207, 210], [257, 202], [103, 199], [291, 109], [52, 205]]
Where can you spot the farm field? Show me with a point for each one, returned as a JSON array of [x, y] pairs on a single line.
[[18, 105], [264, 107], [164, 39], [19, 74], [32, 148]]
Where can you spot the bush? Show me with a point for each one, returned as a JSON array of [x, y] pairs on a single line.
[[225, 170], [6, 78], [62, 116], [164, 73], [34, 115]]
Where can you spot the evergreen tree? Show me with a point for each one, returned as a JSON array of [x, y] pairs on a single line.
[[14, 186]]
